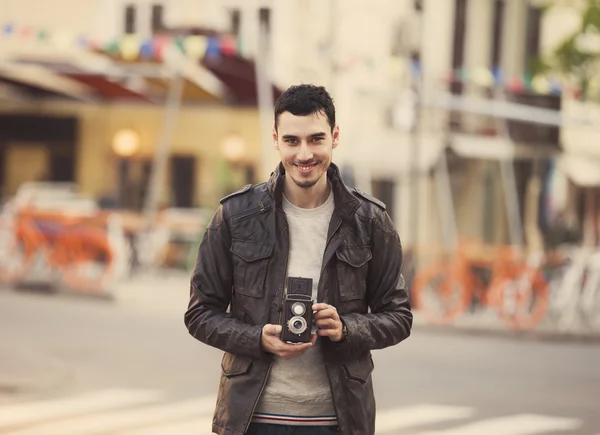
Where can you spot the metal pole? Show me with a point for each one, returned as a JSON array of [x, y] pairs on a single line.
[[414, 169], [446, 201], [415, 140], [265, 96], [163, 150]]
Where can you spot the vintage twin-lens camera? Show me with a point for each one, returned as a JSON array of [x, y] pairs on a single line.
[[297, 315]]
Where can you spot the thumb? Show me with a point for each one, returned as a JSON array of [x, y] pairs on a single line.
[[272, 329]]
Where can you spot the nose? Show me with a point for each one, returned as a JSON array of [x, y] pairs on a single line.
[[304, 154]]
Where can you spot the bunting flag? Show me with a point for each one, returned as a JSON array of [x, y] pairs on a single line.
[[518, 83], [195, 46], [131, 47]]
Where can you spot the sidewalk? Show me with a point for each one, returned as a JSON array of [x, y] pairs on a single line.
[[158, 291], [486, 323]]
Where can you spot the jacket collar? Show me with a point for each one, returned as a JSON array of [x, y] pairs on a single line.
[[345, 202]]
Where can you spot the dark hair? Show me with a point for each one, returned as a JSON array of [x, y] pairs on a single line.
[[302, 100]]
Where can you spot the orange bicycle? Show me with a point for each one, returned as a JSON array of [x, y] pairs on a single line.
[[77, 248], [497, 278]]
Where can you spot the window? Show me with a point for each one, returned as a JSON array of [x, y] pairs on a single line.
[[130, 19], [157, 18], [532, 41], [458, 42], [458, 56], [384, 190], [235, 21], [497, 24], [264, 16]]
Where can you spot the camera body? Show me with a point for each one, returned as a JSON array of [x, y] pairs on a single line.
[[297, 315]]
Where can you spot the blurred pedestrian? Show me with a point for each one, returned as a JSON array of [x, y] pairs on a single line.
[[336, 246]]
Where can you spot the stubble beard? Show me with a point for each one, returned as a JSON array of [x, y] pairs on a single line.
[[306, 184]]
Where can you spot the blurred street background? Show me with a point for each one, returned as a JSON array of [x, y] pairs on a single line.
[[123, 122]]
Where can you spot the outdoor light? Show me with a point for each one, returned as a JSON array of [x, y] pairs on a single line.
[[126, 142], [233, 148]]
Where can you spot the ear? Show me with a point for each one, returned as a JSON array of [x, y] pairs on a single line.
[[275, 141], [336, 136]]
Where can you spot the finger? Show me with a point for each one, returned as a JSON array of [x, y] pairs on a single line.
[[327, 324], [272, 330], [313, 338], [328, 313], [320, 307], [328, 332], [287, 354], [295, 348]]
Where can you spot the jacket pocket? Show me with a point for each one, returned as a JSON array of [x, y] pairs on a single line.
[[235, 365], [352, 269], [361, 369], [250, 264]]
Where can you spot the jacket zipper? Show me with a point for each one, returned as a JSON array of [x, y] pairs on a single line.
[[264, 383], [261, 208]]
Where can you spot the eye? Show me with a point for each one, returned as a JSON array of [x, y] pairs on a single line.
[[290, 141], [317, 139]]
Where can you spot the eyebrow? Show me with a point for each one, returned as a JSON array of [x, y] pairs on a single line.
[[312, 136]]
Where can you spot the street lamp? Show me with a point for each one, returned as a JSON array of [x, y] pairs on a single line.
[[233, 148], [125, 143]]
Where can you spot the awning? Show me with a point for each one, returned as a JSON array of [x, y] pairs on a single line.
[[41, 80], [239, 75], [483, 147], [474, 146], [105, 77], [582, 169], [108, 88]]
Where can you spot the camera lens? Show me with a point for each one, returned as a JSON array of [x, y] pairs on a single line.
[[297, 325]]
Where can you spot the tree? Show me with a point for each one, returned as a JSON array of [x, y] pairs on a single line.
[[577, 57]]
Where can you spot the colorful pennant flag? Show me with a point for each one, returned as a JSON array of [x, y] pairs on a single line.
[[129, 47], [195, 46], [228, 45]]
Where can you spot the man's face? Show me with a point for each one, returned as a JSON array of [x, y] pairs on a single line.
[[305, 145]]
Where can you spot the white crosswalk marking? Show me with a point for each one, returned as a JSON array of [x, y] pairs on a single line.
[[195, 426], [146, 412], [119, 420], [15, 415], [522, 424], [406, 417]]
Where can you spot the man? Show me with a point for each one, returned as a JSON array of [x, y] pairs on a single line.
[[304, 222]]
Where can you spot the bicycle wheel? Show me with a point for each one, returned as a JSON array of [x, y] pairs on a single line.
[[523, 301], [16, 254], [87, 264], [440, 294], [589, 300]]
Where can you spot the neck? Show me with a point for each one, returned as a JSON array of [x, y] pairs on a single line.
[[303, 197]]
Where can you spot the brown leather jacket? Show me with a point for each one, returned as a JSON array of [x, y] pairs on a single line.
[[237, 286]]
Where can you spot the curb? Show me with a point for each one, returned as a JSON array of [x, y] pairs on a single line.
[[498, 332]]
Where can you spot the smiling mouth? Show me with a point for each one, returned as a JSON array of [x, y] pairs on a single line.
[[306, 167]]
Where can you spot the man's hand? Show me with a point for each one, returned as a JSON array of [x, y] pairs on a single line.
[[328, 321], [272, 343]]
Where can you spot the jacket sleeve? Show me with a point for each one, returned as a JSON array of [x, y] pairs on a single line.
[[390, 318], [211, 285]]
